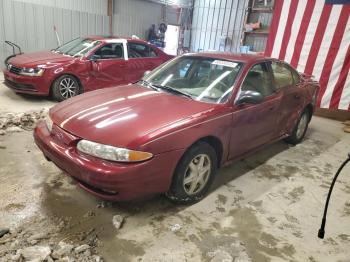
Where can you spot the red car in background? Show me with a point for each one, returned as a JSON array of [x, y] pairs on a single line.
[[170, 132], [82, 65]]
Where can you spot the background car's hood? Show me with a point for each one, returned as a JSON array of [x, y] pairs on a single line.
[[44, 58], [125, 116]]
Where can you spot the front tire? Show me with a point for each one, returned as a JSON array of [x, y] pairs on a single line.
[[194, 174], [300, 129], [64, 87]]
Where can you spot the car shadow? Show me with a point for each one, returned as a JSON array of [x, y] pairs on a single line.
[[240, 167]]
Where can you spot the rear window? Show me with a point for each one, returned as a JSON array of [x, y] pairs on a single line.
[[137, 50]]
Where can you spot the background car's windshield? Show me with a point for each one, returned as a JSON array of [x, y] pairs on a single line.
[[77, 47], [204, 79]]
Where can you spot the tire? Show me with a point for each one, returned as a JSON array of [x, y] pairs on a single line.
[[300, 129], [197, 184], [64, 87]]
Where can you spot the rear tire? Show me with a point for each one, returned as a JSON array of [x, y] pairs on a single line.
[[300, 129], [64, 87], [194, 174]]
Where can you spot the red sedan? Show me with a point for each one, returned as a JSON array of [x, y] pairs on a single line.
[[81, 65], [171, 131]]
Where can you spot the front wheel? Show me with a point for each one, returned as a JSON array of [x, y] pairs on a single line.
[[65, 87], [299, 129], [194, 174]]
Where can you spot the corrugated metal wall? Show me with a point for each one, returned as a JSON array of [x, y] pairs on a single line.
[[88, 6], [135, 17], [217, 19], [31, 25]]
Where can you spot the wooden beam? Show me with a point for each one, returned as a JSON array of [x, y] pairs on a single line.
[[336, 114]]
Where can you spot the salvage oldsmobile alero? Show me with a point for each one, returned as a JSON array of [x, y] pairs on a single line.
[[171, 131], [81, 65]]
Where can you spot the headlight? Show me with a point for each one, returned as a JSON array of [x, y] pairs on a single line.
[[48, 122], [32, 71], [112, 153]]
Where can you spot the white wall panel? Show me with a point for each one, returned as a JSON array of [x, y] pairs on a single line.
[[134, 17], [88, 6], [30, 24]]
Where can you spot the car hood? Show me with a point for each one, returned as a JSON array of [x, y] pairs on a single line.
[[126, 116], [44, 58]]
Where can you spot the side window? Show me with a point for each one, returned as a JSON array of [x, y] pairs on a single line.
[[296, 77], [283, 75], [110, 51], [137, 50], [258, 79]]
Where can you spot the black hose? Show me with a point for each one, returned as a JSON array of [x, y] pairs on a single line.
[[321, 231]]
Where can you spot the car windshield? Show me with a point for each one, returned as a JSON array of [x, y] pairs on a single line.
[[77, 47], [201, 78]]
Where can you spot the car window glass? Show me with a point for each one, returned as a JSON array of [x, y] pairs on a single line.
[[296, 77], [283, 75], [137, 50], [204, 79], [77, 47], [110, 51], [258, 79]]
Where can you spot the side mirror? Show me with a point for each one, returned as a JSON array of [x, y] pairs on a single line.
[[249, 97], [146, 72], [94, 58]]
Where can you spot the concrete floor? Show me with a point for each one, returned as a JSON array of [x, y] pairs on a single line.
[[267, 207], [10, 102]]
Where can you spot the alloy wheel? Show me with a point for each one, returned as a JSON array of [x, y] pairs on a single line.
[[197, 174], [68, 87], [302, 126]]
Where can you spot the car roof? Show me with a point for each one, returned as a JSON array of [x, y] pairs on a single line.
[[109, 37], [236, 57]]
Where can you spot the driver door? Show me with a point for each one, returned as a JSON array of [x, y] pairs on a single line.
[[109, 66], [253, 125]]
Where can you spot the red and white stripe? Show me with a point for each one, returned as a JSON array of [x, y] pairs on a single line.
[[314, 37]]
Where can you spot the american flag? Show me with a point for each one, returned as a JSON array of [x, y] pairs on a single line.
[[314, 37]]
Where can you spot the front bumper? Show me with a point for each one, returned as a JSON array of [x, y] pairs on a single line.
[[27, 84], [107, 180]]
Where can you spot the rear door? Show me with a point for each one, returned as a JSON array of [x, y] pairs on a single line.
[[109, 66], [287, 82], [255, 124], [142, 58]]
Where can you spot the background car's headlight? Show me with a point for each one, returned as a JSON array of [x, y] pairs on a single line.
[[48, 122], [32, 71], [112, 153]]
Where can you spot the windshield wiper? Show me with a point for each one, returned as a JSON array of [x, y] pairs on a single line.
[[172, 90], [147, 84]]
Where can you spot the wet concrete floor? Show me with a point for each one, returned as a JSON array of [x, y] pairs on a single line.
[[266, 207]]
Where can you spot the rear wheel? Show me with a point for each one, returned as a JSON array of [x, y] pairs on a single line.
[[299, 129], [194, 174], [65, 87]]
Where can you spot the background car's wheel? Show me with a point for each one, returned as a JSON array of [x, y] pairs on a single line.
[[299, 129], [194, 174], [65, 87]]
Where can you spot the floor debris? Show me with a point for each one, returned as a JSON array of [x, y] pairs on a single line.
[[118, 221]]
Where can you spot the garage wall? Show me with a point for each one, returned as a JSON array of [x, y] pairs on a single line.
[[30, 25], [215, 20], [88, 6], [135, 17]]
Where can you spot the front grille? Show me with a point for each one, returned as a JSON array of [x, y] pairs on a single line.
[[19, 86], [14, 69]]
